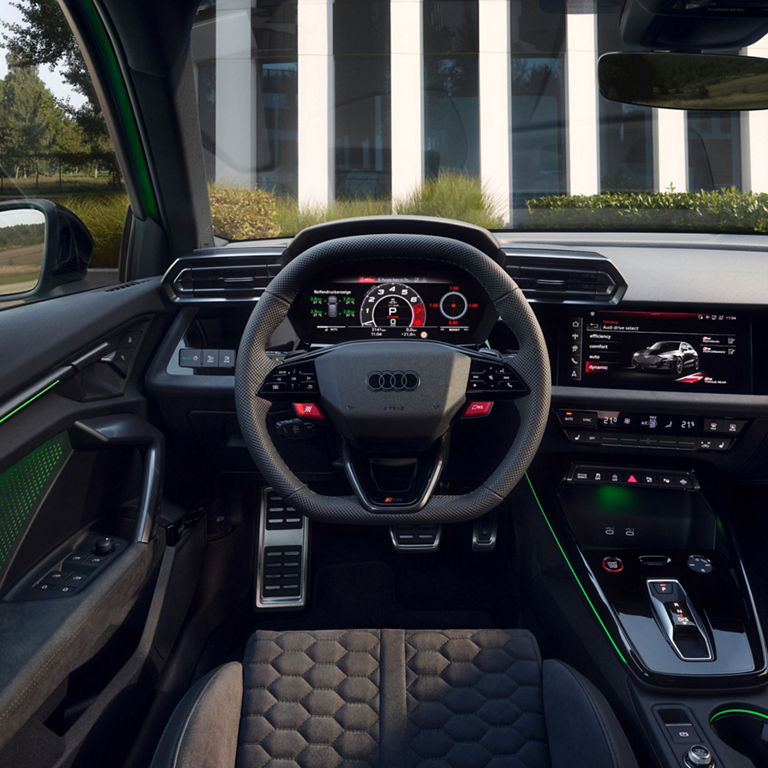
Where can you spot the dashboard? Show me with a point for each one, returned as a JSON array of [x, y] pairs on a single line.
[[669, 367]]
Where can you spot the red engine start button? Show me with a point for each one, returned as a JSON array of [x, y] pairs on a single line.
[[613, 564]]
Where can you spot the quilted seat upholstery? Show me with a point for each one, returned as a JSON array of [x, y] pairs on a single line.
[[395, 698], [311, 699], [472, 696]]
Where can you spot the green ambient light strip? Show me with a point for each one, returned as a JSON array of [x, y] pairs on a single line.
[[127, 119], [573, 573], [738, 712], [21, 488], [30, 400]]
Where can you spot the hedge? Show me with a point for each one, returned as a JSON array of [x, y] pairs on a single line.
[[242, 214], [723, 210]]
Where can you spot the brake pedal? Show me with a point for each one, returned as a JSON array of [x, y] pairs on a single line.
[[415, 537]]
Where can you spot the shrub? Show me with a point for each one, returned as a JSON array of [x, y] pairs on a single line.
[[723, 210], [453, 196], [242, 214], [449, 196], [292, 219]]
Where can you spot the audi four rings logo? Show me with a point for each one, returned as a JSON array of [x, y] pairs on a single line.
[[393, 381]]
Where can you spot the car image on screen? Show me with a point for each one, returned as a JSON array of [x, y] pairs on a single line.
[[675, 356]]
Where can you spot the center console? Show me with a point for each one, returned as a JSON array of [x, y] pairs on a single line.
[[665, 569]]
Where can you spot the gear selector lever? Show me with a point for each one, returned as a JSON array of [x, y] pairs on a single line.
[[678, 620]]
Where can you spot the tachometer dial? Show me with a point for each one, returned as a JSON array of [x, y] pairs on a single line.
[[390, 305]]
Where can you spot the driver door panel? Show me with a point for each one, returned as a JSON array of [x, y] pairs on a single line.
[[79, 464]]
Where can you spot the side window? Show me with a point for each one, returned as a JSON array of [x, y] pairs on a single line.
[[53, 146]]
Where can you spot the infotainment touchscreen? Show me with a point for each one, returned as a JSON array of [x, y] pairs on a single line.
[[681, 351]]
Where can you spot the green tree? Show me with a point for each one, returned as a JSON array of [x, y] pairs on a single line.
[[31, 119], [43, 38]]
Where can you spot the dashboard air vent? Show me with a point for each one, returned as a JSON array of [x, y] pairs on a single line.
[[565, 276], [239, 277]]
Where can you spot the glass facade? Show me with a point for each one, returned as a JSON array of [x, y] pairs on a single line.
[[451, 114], [247, 56], [537, 49], [363, 156], [625, 131], [714, 150]]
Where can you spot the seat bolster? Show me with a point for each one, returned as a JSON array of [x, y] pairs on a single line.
[[202, 732], [582, 728]]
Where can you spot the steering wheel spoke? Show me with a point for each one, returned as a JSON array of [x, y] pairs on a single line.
[[494, 379], [394, 483], [293, 379]]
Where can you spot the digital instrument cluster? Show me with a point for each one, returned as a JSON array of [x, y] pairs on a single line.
[[410, 307]]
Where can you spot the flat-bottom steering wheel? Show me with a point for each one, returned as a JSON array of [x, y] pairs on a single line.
[[393, 401]]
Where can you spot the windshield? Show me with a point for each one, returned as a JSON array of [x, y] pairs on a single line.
[[482, 111], [665, 346]]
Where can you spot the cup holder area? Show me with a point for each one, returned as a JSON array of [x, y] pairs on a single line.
[[744, 729]]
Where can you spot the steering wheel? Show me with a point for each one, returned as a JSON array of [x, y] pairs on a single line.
[[393, 401]]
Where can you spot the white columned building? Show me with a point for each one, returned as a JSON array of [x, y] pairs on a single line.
[[236, 117], [407, 78], [316, 103], [251, 106], [495, 100], [582, 141], [754, 137], [670, 150]]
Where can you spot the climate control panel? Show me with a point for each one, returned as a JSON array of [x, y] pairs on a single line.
[[650, 430]]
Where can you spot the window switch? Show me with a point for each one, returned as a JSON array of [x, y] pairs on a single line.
[[76, 579]]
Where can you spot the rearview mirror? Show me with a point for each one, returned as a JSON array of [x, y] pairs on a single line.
[[685, 80], [42, 246]]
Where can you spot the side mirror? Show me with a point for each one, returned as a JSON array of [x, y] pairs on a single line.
[[42, 246], [684, 80]]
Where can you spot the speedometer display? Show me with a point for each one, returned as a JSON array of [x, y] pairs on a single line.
[[347, 307], [393, 305]]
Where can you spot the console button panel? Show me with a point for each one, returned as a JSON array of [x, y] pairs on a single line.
[[212, 359], [673, 480]]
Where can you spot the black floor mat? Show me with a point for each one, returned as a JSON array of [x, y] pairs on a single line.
[[358, 580], [365, 595]]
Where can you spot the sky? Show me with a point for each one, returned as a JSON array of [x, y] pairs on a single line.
[[53, 80]]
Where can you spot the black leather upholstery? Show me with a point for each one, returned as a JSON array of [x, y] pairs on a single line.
[[429, 698]]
